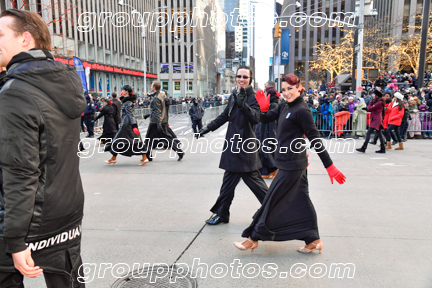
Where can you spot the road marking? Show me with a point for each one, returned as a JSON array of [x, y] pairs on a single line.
[[179, 128], [392, 165]]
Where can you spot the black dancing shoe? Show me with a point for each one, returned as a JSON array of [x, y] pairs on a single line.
[[362, 150], [181, 156], [215, 220]]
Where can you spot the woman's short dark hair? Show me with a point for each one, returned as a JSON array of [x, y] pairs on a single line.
[[26, 21], [128, 89]]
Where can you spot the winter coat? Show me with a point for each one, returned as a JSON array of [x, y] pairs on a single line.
[[376, 108], [109, 125], [241, 122], [90, 110], [265, 131], [158, 113], [117, 111], [196, 112], [395, 115], [41, 104], [359, 118], [429, 102], [126, 142]]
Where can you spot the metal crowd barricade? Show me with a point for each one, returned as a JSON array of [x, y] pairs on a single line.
[[209, 115], [333, 126]]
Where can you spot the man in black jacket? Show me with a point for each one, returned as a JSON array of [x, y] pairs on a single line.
[[117, 110], [239, 161], [196, 113], [158, 129], [42, 207], [89, 114]]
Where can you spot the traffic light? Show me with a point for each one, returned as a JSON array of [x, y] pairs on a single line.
[[278, 31]]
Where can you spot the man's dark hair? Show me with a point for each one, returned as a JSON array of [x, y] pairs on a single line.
[[26, 21], [114, 95], [250, 72]]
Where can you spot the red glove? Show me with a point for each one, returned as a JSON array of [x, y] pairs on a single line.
[[334, 173], [263, 101], [82, 115], [135, 131], [278, 94]]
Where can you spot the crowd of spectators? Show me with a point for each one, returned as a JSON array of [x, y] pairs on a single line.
[[342, 113]]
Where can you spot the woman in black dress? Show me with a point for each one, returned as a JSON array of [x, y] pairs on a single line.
[[109, 126], [287, 212], [127, 141]]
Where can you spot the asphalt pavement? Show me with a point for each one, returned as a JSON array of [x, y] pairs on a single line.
[[376, 228]]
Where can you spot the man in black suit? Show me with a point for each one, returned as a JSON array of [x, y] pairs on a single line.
[[238, 161]]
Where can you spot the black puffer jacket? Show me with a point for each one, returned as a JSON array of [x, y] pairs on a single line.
[[41, 104]]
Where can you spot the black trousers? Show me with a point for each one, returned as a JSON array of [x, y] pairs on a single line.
[[196, 123], [403, 129], [378, 135], [230, 180], [90, 125], [52, 280], [396, 130], [82, 124]]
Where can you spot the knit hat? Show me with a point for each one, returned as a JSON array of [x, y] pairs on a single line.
[[398, 96], [378, 93], [88, 98]]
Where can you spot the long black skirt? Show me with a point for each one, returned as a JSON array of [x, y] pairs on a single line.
[[287, 212]]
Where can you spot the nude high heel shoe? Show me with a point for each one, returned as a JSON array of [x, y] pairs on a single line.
[[143, 161], [247, 244], [318, 246], [111, 161]]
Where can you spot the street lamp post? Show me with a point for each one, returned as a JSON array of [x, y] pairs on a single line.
[[298, 5], [207, 72], [143, 35], [190, 46]]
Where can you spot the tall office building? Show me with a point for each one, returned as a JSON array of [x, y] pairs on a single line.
[[230, 8], [113, 56], [400, 17], [303, 40], [186, 52]]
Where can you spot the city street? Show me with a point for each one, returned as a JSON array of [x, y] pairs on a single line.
[[379, 220]]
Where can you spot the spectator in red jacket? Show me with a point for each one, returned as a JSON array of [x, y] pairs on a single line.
[[395, 112]]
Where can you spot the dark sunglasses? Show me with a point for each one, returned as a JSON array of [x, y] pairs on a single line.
[[242, 76]]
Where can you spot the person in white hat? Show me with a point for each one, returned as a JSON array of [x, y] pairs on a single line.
[[396, 114]]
